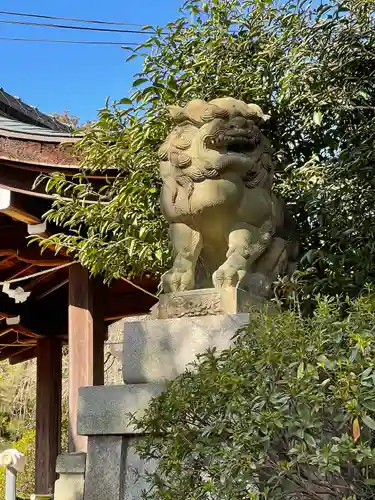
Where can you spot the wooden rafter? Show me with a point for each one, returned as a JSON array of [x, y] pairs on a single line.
[[23, 355], [27, 332], [20, 207], [5, 331], [42, 279], [52, 289], [6, 262], [33, 255], [23, 272]]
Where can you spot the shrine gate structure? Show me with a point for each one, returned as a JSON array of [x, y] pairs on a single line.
[[64, 305]]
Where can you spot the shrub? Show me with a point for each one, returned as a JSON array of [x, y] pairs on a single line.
[[286, 413]]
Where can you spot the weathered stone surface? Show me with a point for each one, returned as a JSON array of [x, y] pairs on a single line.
[[105, 468], [133, 484], [69, 487], [160, 350], [113, 371], [106, 410], [208, 301], [227, 227], [71, 463], [114, 469]]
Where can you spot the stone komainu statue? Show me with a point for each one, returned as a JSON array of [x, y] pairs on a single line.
[[227, 228]]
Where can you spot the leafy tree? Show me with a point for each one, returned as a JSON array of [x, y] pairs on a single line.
[[68, 119], [287, 413], [311, 68]]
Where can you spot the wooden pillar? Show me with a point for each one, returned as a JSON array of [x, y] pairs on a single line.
[[86, 344], [48, 413]]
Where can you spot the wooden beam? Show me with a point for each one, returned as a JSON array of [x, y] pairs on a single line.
[[4, 331], [52, 289], [33, 255], [48, 414], [21, 207], [22, 180], [43, 279], [86, 343], [7, 262], [126, 304], [22, 272], [5, 353], [27, 332], [4, 314], [25, 354], [7, 345], [8, 252]]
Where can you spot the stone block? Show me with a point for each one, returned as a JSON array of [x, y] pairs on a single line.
[[208, 301], [104, 410], [114, 469], [69, 487], [105, 468], [159, 350], [71, 463], [135, 481]]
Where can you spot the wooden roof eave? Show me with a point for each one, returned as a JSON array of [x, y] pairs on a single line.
[[48, 168], [55, 138]]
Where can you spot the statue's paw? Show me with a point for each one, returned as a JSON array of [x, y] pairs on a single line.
[[228, 276], [178, 281]]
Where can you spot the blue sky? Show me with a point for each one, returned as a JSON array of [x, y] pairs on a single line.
[[77, 78]]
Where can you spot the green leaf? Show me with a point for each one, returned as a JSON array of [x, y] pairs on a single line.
[[300, 370], [369, 422], [310, 440], [317, 117], [139, 82], [125, 100], [369, 404], [131, 57]]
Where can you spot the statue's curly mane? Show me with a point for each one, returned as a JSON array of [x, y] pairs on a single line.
[[197, 124]]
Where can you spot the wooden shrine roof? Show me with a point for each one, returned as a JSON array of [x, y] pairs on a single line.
[[25, 151]]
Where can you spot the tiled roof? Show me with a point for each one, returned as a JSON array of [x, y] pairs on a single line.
[[18, 127], [12, 107]]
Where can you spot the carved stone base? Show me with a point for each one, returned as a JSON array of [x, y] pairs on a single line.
[[207, 301]]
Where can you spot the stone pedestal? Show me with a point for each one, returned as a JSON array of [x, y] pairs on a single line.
[[104, 414], [206, 302], [152, 352], [160, 350], [71, 468]]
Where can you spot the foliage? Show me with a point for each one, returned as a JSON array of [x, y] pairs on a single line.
[[287, 412], [67, 119], [25, 480], [17, 400], [311, 68]]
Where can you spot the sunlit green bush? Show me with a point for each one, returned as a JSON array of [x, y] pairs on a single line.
[[287, 413]]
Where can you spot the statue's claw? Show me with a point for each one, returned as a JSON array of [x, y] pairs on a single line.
[[228, 276], [177, 280]]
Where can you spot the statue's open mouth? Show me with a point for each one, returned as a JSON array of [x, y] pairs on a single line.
[[240, 147], [233, 142]]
